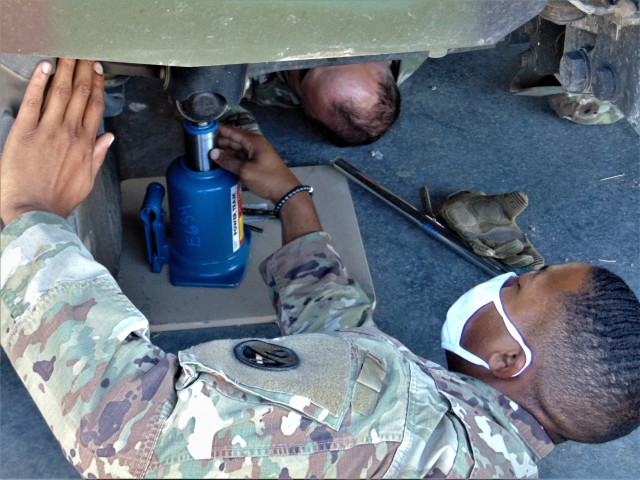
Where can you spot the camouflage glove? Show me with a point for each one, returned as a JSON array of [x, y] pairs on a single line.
[[487, 224], [584, 109]]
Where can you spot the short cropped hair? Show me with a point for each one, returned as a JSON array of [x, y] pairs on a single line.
[[592, 361], [358, 126]]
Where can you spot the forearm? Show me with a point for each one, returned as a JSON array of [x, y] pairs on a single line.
[[81, 348], [310, 288], [298, 217]]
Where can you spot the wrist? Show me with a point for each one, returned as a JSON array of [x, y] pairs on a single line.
[[9, 214], [298, 190], [298, 217], [279, 190]]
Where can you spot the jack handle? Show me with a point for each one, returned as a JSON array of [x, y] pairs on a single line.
[[152, 215], [430, 225]]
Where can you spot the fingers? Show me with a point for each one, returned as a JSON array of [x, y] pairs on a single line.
[[235, 134], [29, 113], [84, 88], [59, 92], [76, 96], [228, 162], [100, 151], [238, 138], [229, 144], [95, 104], [509, 249], [76, 92]]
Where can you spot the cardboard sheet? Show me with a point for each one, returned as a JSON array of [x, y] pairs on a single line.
[[177, 308]]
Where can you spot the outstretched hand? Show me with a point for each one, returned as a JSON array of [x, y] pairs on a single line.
[[252, 158], [52, 155]]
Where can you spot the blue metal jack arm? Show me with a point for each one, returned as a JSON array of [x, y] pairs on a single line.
[[152, 216]]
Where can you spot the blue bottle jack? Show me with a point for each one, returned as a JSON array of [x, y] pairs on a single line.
[[209, 244]]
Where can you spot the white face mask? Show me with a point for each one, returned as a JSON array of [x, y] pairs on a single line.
[[464, 308]]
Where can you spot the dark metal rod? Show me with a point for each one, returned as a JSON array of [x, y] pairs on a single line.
[[258, 212], [426, 222]]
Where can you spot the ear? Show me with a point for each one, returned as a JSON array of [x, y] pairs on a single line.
[[505, 364]]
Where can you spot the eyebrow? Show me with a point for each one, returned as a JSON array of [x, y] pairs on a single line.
[[535, 273]]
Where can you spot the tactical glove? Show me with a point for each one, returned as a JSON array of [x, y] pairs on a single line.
[[487, 224]]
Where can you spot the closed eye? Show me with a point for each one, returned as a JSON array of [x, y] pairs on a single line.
[[538, 272]]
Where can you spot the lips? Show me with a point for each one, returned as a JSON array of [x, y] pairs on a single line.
[[511, 281]]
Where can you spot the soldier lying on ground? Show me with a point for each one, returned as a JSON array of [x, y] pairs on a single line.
[[550, 356], [354, 104]]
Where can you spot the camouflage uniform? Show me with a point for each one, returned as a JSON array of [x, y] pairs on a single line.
[[358, 405], [273, 89]]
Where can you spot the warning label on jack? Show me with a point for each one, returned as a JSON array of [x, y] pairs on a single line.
[[237, 228]]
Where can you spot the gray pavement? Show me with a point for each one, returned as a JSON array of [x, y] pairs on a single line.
[[459, 128]]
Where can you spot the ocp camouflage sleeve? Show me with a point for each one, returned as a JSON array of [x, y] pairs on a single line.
[[81, 349], [272, 90], [315, 294], [358, 404]]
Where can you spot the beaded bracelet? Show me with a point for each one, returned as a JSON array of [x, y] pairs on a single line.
[[283, 200]]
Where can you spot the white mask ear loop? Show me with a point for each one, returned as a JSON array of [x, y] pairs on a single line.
[[514, 333]]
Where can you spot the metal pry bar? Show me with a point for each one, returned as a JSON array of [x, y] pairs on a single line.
[[426, 222]]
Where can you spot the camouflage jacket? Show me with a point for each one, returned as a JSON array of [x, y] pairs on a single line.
[[358, 405], [273, 89]]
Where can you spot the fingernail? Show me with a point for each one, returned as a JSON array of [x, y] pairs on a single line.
[[46, 68], [97, 67], [111, 141], [214, 154]]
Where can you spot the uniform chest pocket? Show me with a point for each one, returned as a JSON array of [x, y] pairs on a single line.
[[321, 386]]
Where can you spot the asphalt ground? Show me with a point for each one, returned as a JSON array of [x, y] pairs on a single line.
[[459, 128]]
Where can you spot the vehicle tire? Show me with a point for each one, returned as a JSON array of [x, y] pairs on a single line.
[[98, 220]]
